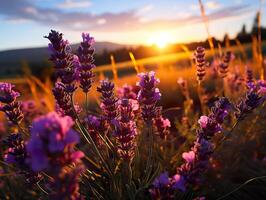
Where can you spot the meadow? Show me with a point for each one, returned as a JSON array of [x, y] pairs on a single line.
[[180, 126]]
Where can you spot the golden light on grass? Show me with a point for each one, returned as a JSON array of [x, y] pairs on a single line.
[[160, 39]]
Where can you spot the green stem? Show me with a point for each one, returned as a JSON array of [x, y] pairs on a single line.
[[89, 138], [240, 186]]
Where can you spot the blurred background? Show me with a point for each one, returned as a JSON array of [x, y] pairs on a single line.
[[124, 30]]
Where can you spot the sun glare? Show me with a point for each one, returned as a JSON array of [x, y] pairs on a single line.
[[161, 40]]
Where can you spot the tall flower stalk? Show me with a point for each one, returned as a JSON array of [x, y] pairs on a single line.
[[9, 104]]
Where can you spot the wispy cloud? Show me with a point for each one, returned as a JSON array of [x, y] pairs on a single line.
[[111, 22], [70, 4], [213, 5]]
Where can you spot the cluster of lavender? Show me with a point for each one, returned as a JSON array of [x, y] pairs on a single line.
[[254, 97], [64, 60], [8, 103], [128, 92], [199, 58], [96, 126], [17, 155], [148, 95], [66, 64], [161, 124], [109, 103], [51, 149], [63, 100], [196, 160], [249, 78], [85, 55], [223, 67], [126, 130]]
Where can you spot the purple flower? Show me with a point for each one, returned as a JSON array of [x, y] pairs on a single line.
[[223, 66], [126, 130], [178, 182], [189, 157], [199, 57], [51, 149], [63, 100], [51, 135], [197, 159], [17, 155], [148, 95], [109, 103], [128, 92], [162, 180], [249, 79], [161, 124], [10, 106], [7, 93], [203, 121], [64, 60], [96, 126], [85, 54], [247, 104]]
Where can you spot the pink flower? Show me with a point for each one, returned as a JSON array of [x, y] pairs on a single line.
[[203, 121], [189, 156]]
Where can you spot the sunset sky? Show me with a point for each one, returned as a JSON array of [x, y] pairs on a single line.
[[25, 22]]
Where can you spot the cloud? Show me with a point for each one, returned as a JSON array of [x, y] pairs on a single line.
[[70, 4], [106, 22], [213, 5]]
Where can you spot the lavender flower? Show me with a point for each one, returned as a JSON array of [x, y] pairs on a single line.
[[17, 155], [51, 148], [63, 100], [126, 130], [64, 60], [85, 54], [247, 104], [163, 187], [96, 126], [250, 83], [161, 124], [109, 103], [199, 57], [52, 141], [197, 159], [148, 95], [128, 92], [10, 106], [223, 66]]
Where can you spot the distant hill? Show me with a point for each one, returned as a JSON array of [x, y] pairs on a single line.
[[11, 60]]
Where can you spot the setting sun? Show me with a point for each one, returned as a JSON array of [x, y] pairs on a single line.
[[161, 39]]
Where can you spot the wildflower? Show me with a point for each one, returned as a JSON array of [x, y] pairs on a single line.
[[223, 66], [85, 54], [189, 156], [51, 149], [148, 95], [200, 61], [109, 103], [64, 60], [7, 93], [96, 126], [126, 130], [17, 155], [10, 106], [247, 104], [161, 124], [249, 78], [63, 100], [128, 92], [52, 134], [197, 159]]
